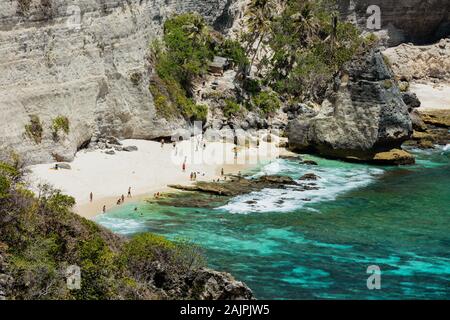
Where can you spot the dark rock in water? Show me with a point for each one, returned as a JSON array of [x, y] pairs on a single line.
[[395, 156], [309, 176], [251, 202], [130, 148], [306, 199], [309, 162], [110, 152], [62, 165], [411, 100], [291, 158], [363, 114], [238, 186]]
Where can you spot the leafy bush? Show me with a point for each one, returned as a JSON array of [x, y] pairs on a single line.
[[233, 50], [267, 102], [252, 86], [387, 84], [136, 78], [60, 123], [231, 108], [24, 5], [43, 237], [4, 186], [309, 45], [181, 57], [186, 49], [34, 129]]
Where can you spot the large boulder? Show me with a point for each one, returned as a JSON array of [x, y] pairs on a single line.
[[363, 114]]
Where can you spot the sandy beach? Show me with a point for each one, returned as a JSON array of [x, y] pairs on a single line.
[[432, 97], [147, 171]]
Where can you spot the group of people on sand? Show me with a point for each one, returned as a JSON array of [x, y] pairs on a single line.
[[120, 201]]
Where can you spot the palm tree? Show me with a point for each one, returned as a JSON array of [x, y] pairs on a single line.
[[259, 20]]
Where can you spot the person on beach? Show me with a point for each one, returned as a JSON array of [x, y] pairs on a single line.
[[123, 198], [129, 192], [184, 166], [195, 176], [104, 209], [162, 143], [56, 166], [118, 202], [222, 173], [91, 196], [174, 144]]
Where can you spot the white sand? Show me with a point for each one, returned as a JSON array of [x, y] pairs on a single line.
[[146, 171], [432, 96]]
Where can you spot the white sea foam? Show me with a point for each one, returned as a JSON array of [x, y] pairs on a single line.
[[333, 181], [120, 225]]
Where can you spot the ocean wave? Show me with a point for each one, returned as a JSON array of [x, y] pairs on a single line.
[[120, 225], [334, 180]]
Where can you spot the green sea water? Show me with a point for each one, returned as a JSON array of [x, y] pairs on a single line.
[[319, 243]]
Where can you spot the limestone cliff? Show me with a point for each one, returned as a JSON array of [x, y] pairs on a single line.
[[402, 21], [84, 60]]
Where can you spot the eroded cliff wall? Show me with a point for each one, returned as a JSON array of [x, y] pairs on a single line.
[[84, 60], [416, 21]]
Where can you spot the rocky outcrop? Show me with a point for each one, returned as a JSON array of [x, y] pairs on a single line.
[[394, 156], [238, 185], [363, 114], [208, 284], [430, 62], [402, 21], [85, 61], [5, 279]]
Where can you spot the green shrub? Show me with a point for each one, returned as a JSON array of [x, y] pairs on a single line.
[[387, 84], [34, 129], [266, 102], [252, 86], [136, 78], [233, 50], [308, 47], [24, 5], [60, 123], [231, 108], [404, 86], [4, 187]]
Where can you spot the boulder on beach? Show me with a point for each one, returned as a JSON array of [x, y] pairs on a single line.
[[63, 165], [130, 148]]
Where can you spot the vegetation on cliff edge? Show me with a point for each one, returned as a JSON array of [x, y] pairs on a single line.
[[43, 238]]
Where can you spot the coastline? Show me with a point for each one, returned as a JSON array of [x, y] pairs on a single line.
[[147, 171]]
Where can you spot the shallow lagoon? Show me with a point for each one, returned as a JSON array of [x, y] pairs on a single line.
[[318, 244]]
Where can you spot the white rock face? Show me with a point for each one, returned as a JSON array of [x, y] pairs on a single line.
[[77, 59], [412, 63]]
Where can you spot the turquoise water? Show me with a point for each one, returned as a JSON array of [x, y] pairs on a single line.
[[318, 244]]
